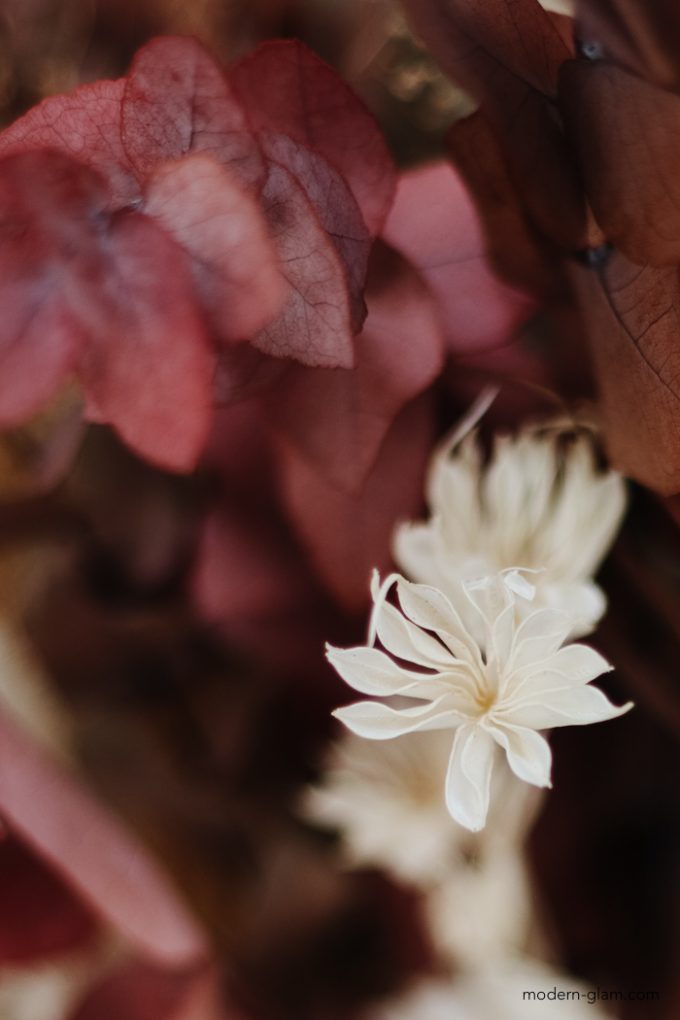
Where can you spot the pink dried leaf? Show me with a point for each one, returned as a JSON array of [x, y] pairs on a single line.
[[85, 124], [178, 100], [222, 228], [337, 421], [348, 534], [434, 223], [336, 208], [287, 89], [56, 817], [147, 367], [315, 325]]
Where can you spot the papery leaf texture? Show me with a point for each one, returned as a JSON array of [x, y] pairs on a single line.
[[337, 420], [177, 101], [58, 819], [288, 90], [626, 133], [642, 35], [633, 318]]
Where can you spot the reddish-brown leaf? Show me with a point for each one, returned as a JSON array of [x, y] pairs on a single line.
[[315, 326], [337, 420], [434, 223], [514, 248], [348, 534], [633, 318], [336, 208], [146, 367], [221, 226], [626, 133], [56, 817], [508, 55], [177, 100], [288, 90], [84, 124], [643, 35]]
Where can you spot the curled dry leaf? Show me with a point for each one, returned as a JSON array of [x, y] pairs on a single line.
[[633, 319], [349, 534], [92, 852], [337, 420], [434, 223], [288, 90], [223, 230], [626, 134], [177, 101]]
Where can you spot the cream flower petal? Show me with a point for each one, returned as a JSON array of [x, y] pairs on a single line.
[[578, 706], [376, 721], [571, 666], [403, 639], [468, 778], [370, 671], [427, 607], [529, 754], [539, 636]]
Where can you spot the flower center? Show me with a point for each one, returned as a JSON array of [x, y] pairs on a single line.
[[485, 701]]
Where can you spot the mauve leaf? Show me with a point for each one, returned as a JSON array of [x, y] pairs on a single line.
[[519, 254], [84, 124], [643, 35], [137, 991], [221, 226], [434, 223], [92, 852], [315, 325], [336, 208], [348, 534], [508, 55], [177, 100], [633, 319], [288, 90], [337, 420], [49, 206], [147, 367], [40, 917], [626, 133]]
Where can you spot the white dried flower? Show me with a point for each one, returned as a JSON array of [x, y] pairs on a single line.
[[386, 801], [541, 501], [497, 695]]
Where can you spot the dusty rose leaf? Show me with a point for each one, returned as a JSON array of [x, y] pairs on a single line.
[[626, 133], [49, 205], [178, 100], [84, 124], [643, 35], [348, 534], [137, 991], [315, 325], [633, 320], [40, 917], [516, 251], [288, 90], [221, 226], [338, 420], [146, 367], [434, 223], [92, 852], [336, 208]]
